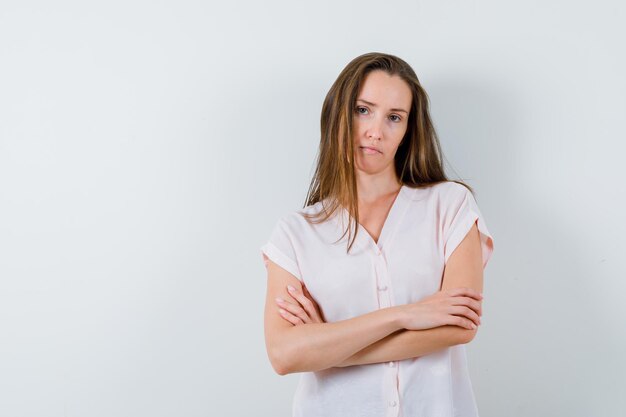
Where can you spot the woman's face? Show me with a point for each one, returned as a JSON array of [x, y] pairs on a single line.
[[380, 121]]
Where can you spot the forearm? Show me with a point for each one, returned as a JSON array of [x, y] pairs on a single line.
[[405, 344], [317, 346]]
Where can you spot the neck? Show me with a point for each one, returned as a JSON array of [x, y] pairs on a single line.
[[374, 189]]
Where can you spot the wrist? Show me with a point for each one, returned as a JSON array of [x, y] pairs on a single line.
[[398, 317]]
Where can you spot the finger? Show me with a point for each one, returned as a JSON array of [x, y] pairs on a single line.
[[470, 302], [294, 309], [461, 322], [290, 317], [316, 307], [305, 302], [470, 292], [306, 292], [466, 312], [466, 291]]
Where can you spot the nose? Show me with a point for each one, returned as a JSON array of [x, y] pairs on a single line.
[[374, 130]]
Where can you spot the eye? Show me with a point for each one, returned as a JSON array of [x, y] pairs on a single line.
[[359, 108], [398, 118]]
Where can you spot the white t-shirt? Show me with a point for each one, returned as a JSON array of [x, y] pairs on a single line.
[[422, 229]]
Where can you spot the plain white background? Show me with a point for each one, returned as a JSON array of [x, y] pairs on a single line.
[[148, 148]]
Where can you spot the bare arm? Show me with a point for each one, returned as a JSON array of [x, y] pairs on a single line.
[[317, 346], [406, 344], [463, 269]]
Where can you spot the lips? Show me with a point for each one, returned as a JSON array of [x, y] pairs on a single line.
[[370, 148]]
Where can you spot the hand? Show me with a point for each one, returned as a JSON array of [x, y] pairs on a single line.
[[305, 310], [457, 306]]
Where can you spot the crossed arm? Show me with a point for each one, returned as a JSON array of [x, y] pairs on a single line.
[[371, 338], [406, 344]]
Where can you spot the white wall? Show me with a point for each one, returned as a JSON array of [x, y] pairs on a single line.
[[147, 149]]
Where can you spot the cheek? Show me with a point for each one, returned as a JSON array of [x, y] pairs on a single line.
[[400, 132], [395, 134]]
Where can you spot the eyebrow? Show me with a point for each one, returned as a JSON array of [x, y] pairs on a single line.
[[374, 105]]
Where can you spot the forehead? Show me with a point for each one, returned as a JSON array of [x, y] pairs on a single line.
[[385, 90]]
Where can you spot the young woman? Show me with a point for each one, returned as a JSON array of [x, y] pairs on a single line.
[[377, 322]]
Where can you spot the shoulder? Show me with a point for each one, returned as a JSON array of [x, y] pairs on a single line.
[[442, 192], [295, 220], [451, 191]]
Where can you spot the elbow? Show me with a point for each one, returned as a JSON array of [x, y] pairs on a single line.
[[281, 369], [280, 360], [290, 355], [466, 336]]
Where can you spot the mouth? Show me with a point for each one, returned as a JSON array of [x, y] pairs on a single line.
[[369, 150]]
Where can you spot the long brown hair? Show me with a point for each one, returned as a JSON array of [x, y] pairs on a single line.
[[418, 160]]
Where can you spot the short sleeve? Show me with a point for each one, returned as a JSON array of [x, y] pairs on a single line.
[[461, 214], [280, 249]]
